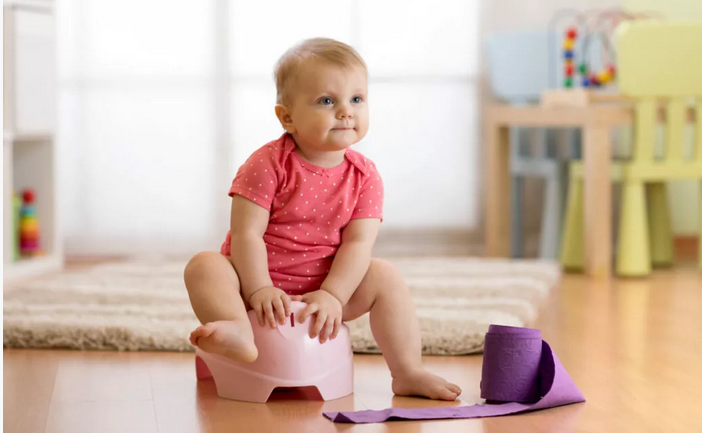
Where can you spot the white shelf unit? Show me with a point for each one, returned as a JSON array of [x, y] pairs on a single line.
[[29, 113]]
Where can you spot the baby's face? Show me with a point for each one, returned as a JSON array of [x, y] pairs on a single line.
[[328, 108]]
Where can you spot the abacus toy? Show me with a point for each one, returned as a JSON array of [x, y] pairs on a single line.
[[591, 25], [589, 79]]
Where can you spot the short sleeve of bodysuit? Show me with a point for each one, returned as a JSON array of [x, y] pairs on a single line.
[[370, 200], [257, 178]]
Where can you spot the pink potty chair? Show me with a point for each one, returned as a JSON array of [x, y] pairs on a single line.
[[287, 358]]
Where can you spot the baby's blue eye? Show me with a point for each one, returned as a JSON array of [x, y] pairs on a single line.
[[325, 101], [357, 99]]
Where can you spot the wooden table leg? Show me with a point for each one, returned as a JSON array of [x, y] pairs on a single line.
[[497, 191], [598, 201]]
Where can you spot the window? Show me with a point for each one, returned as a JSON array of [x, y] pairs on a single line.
[[161, 101]]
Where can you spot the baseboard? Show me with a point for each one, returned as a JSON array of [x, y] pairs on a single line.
[[686, 246], [450, 242], [429, 242]]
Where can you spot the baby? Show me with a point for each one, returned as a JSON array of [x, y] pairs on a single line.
[[305, 214]]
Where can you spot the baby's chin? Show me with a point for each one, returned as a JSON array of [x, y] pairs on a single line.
[[343, 139], [341, 144]]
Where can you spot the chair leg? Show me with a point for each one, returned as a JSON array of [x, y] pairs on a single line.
[[551, 220], [517, 199], [573, 242], [633, 253], [699, 232], [660, 231]]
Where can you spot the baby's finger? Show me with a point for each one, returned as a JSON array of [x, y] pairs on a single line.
[[327, 330], [310, 309], [259, 314], [337, 327], [268, 310], [318, 324], [279, 310], [286, 304]]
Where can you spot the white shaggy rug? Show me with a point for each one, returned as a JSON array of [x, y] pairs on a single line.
[[142, 304]]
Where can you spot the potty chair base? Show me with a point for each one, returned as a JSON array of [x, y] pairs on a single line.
[[287, 358], [235, 382]]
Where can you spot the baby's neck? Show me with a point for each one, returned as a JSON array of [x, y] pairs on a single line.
[[322, 159]]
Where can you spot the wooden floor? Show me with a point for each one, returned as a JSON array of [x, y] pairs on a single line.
[[634, 347]]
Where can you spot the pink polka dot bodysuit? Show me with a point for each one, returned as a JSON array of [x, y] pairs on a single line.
[[309, 207]]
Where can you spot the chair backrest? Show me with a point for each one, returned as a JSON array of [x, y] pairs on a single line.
[[661, 63], [518, 64]]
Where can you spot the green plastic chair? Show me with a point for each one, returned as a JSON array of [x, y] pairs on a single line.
[[658, 63]]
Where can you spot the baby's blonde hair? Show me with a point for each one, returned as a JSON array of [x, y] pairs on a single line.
[[330, 50]]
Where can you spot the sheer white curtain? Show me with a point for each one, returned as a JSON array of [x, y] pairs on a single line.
[[161, 101]]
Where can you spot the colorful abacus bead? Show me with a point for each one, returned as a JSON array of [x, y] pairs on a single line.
[[571, 33], [569, 69], [612, 70], [604, 77], [593, 80]]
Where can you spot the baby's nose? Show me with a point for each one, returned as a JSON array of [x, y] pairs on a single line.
[[346, 113]]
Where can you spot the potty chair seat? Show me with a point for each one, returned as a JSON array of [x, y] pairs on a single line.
[[287, 358]]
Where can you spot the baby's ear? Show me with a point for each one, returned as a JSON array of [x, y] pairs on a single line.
[[283, 114]]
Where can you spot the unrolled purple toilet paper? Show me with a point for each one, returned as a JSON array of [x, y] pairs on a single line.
[[520, 373]]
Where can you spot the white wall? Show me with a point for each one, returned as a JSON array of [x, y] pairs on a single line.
[[136, 125]]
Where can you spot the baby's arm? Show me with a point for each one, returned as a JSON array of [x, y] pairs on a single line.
[[250, 260], [248, 250], [347, 271], [352, 258]]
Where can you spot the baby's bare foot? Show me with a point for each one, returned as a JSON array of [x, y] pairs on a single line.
[[233, 339], [424, 384]]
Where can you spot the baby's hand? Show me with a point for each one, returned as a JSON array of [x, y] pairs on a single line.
[[328, 310], [269, 301]]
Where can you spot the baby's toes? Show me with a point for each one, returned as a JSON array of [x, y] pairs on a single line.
[[454, 388], [199, 332], [193, 338], [446, 394]]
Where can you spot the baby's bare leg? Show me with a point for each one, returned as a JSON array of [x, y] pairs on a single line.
[[396, 330], [214, 290]]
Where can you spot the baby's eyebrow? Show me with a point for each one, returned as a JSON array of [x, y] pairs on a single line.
[[333, 94]]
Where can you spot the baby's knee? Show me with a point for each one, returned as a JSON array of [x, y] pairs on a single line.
[[200, 263], [380, 269], [386, 275]]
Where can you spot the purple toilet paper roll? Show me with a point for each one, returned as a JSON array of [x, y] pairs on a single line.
[[520, 373]]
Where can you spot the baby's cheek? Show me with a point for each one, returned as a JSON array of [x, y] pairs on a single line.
[[323, 127]]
